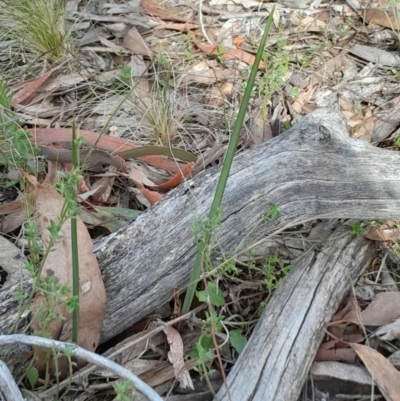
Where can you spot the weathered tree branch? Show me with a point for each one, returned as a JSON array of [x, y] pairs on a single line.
[[313, 171]]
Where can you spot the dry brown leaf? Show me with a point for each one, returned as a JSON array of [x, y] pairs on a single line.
[[135, 174], [380, 17], [298, 104], [134, 42], [326, 71], [384, 308], [221, 93], [28, 93], [229, 54], [177, 178], [11, 207], [335, 354], [382, 371], [383, 234], [12, 221], [176, 357], [58, 263], [103, 187]]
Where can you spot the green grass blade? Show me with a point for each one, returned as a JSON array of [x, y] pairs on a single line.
[[158, 150], [74, 242], [219, 193]]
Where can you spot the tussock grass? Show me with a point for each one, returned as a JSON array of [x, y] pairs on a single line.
[[38, 24]]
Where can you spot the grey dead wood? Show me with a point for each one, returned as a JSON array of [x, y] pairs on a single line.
[[9, 390], [275, 363], [312, 171]]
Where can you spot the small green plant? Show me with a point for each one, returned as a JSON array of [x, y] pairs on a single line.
[[294, 91], [356, 228], [40, 24], [187, 41], [16, 151], [123, 390], [305, 60], [124, 81], [277, 70], [274, 270], [221, 50], [272, 212]]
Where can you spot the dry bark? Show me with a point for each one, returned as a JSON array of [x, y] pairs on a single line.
[[312, 171]]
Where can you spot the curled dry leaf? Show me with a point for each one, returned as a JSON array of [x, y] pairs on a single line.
[[176, 357], [382, 371], [59, 264], [177, 178]]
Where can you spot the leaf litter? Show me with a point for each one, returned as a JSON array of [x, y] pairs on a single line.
[[163, 76]]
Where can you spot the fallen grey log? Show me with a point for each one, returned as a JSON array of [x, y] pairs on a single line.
[[313, 171], [284, 342]]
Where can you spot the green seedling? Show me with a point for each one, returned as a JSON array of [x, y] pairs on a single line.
[[356, 228]]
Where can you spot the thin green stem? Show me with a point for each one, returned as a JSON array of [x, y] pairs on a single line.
[[74, 243], [219, 193]]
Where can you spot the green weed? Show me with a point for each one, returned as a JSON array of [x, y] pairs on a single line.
[[124, 82], [16, 151], [356, 228], [123, 390]]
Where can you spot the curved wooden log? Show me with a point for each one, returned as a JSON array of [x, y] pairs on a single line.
[[315, 170]]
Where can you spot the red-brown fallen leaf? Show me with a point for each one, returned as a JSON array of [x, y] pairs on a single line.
[[229, 53], [58, 264], [152, 196], [177, 178], [28, 93], [151, 8], [382, 371], [348, 306], [238, 41], [46, 136], [335, 354]]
